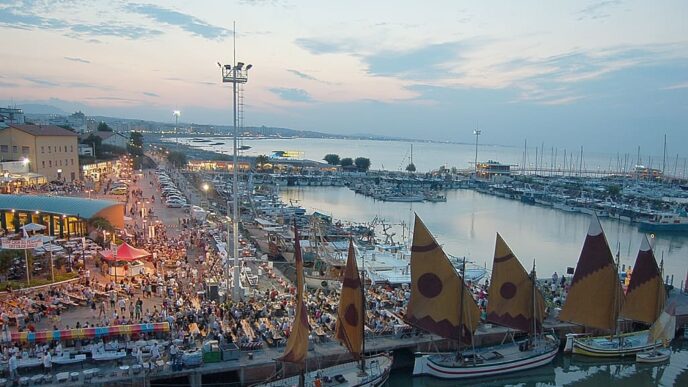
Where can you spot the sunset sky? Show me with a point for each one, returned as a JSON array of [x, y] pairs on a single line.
[[608, 75]]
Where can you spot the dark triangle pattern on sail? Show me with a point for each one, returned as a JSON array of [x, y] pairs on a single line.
[[297, 343], [595, 296], [349, 314], [645, 295], [436, 288], [510, 302]]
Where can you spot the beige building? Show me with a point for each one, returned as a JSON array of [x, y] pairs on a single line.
[[51, 151]]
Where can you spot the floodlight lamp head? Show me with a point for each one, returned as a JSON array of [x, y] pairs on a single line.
[[219, 65], [228, 67], [239, 65], [249, 67]]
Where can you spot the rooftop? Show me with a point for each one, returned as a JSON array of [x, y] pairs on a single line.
[[43, 130], [84, 208]]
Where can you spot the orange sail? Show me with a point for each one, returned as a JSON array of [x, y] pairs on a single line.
[[436, 291], [350, 322], [595, 296], [511, 293], [297, 344], [645, 295]]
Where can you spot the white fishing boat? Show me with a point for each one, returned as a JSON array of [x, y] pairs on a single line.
[[347, 374], [596, 278], [515, 302]]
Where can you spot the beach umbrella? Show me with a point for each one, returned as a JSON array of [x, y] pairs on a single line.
[[43, 238], [33, 227]]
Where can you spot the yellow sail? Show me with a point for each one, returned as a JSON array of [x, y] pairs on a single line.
[[297, 343], [595, 296], [511, 295], [436, 290], [349, 330], [645, 295]]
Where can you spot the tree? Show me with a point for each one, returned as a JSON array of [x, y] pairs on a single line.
[[103, 127], [95, 142], [261, 160], [100, 223], [362, 163], [332, 159], [136, 143], [178, 159], [411, 167], [346, 162]]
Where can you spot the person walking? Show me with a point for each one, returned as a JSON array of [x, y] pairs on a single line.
[[47, 363], [13, 365]]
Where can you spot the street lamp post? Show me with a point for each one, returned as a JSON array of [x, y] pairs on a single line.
[[176, 114], [477, 133], [235, 74], [205, 190]]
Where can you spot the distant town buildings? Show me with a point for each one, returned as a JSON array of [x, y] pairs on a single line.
[[48, 150], [10, 115]]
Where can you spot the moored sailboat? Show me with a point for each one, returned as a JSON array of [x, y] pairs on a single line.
[[515, 303], [363, 371], [596, 279]]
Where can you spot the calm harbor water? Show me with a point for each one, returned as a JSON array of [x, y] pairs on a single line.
[[466, 225]]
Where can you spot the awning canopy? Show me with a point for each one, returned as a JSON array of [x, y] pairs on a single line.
[[125, 252]]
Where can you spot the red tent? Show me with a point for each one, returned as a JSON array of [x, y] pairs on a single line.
[[125, 252]]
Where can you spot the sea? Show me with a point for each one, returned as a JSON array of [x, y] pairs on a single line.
[[467, 224], [428, 156]]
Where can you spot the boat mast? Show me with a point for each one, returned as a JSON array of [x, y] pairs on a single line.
[[363, 308], [532, 305], [461, 307], [617, 304]]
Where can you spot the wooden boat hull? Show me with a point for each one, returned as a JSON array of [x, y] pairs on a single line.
[[658, 356], [427, 364], [378, 368], [624, 345]]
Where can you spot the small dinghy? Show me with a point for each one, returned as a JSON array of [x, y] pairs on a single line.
[[663, 329], [656, 356]]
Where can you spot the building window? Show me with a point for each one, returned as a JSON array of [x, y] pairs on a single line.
[[4, 148], [42, 149], [14, 149], [72, 161], [25, 150], [71, 148], [50, 163], [44, 164], [49, 149]]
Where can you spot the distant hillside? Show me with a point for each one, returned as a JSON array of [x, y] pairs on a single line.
[[34, 108]]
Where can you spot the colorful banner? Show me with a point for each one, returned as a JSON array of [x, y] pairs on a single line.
[[89, 333]]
